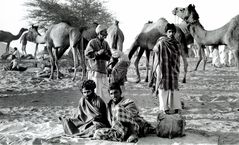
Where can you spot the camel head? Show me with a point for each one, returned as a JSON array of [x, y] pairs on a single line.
[[23, 30], [188, 14], [32, 33]]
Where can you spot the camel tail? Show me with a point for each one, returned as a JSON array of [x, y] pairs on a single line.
[[133, 48]]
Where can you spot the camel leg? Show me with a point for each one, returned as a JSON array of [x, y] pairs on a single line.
[[199, 58], [136, 64], [24, 50], [56, 62], [185, 65], [204, 58], [236, 54], [36, 49], [73, 49], [7, 47], [152, 70], [147, 52], [82, 59], [49, 49]]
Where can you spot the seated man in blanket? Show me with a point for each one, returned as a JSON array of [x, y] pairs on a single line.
[[126, 124], [92, 113]]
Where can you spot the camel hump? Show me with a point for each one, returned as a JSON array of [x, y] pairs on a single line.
[[160, 24], [67, 22], [162, 20], [234, 21]]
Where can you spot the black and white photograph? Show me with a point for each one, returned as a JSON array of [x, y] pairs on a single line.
[[119, 72]]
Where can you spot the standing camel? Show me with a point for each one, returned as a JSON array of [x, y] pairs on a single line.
[[31, 38], [190, 41], [61, 36], [147, 39], [226, 35], [9, 37]]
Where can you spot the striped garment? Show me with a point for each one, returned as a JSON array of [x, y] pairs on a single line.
[[122, 115], [169, 64]]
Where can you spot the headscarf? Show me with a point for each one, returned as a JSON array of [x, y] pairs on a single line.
[[100, 28]]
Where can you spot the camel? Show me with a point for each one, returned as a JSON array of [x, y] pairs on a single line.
[[147, 39], [226, 35], [192, 43], [30, 37], [115, 37], [61, 36], [9, 37]]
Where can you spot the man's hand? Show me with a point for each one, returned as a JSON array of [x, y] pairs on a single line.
[[100, 52], [109, 70]]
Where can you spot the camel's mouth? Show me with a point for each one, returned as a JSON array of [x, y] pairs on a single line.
[[174, 11]]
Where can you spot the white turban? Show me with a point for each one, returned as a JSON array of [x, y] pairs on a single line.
[[100, 28]]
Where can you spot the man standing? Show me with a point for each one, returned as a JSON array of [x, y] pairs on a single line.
[[98, 53], [167, 71]]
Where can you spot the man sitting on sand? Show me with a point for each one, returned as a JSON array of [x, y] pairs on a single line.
[[92, 113], [14, 65], [126, 124], [16, 53]]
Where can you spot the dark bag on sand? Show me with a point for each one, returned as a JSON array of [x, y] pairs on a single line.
[[170, 126]]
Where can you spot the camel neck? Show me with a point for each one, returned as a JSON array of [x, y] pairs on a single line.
[[205, 37], [15, 37], [40, 39]]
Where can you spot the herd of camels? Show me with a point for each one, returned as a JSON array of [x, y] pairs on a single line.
[[62, 36]]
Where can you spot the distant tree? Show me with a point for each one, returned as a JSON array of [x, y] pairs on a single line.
[[76, 12]]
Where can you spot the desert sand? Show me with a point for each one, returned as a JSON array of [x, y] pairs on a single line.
[[30, 106]]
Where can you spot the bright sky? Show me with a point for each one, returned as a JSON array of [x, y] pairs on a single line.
[[132, 14]]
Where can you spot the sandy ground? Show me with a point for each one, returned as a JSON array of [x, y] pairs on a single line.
[[29, 106]]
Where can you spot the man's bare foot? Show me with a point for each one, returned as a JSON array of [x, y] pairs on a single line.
[[133, 138]]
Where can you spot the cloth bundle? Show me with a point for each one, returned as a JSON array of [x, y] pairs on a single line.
[[170, 126]]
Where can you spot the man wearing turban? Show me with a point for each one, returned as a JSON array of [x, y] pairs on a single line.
[[98, 53]]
